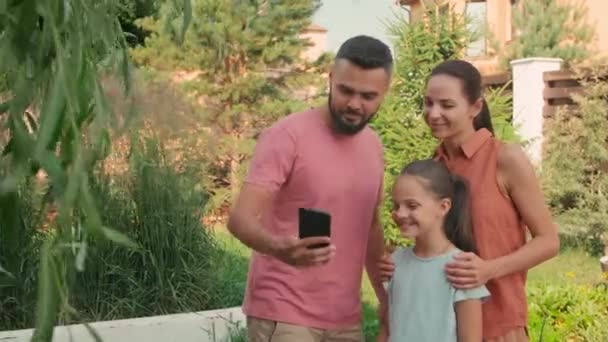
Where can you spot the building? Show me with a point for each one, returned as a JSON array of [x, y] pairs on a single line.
[[317, 36], [495, 16]]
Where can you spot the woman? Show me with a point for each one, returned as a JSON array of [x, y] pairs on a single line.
[[506, 199]]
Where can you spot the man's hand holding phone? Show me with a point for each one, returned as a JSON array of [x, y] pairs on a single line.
[[299, 252], [313, 247]]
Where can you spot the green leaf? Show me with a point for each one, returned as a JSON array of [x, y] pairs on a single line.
[[102, 109], [11, 225], [8, 149], [52, 165], [5, 272], [7, 279], [92, 219], [187, 8], [81, 256], [119, 238], [66, 147], [23, 143], [4, 107], [125, 68], [105, 145], [47, 309], [93, 332], [93, 222], [8, 186]]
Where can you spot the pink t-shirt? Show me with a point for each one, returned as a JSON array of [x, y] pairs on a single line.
[[307, 165]]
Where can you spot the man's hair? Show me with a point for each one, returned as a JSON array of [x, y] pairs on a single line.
[[367, 53]]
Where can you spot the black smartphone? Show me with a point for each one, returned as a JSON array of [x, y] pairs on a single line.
[[314, 222]]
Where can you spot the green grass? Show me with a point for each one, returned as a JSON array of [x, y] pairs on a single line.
[[570, 266], [231, 262]]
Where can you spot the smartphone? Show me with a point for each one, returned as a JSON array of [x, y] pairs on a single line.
[[314, 222]]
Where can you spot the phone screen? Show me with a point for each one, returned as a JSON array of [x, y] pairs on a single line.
[[314, 222]]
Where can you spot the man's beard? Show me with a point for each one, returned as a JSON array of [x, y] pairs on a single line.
[[343, 126]]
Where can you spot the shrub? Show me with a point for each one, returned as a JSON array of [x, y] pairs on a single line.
[[171, 271], [159, 210], [568, 312], [19, 259], [575, 167]]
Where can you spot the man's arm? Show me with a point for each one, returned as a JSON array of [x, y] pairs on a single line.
[[246, 225], [245, 219], [375, 251], [269, 169]]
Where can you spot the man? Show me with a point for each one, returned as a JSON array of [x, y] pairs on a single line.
[[325, 158]]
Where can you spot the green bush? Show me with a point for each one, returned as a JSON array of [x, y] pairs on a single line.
[[20, 259], [159, 210], [419, 47], [174, 269], [575, 167], [568, 312]]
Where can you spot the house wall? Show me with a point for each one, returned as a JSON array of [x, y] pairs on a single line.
[[499, 18]]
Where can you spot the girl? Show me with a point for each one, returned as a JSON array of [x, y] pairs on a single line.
[[431, 206], [506, 201]]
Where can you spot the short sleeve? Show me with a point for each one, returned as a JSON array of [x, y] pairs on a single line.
[[272, 159], [480, 292]]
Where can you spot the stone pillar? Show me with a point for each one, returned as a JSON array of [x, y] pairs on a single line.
[[528, 101]]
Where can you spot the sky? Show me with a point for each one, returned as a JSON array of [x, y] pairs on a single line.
[[346, 18]]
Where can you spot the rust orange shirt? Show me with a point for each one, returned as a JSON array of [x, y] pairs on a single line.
[[498, 230]]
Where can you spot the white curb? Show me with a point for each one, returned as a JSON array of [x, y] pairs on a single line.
[[204, 326]]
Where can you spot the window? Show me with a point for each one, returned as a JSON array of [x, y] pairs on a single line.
[[407, 13], [476, 12], [514, 8]]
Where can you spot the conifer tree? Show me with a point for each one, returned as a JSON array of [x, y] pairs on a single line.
[[549, 28], [248, 54]]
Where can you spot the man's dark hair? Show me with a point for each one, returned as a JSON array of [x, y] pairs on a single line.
[[367, 53]]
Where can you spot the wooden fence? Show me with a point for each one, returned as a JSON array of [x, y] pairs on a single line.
[[559, 87], [498, 81]]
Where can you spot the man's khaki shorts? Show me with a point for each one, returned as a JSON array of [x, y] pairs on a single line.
[[261, 330]]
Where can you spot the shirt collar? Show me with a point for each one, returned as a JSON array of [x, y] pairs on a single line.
[[471, 146]]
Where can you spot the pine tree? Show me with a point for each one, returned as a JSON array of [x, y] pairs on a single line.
[[549, 28], [248, 55], [575, 164]]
